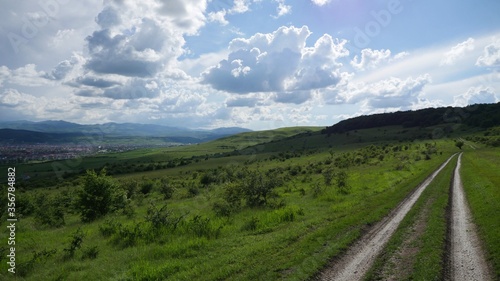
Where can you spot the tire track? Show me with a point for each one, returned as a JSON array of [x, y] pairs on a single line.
[[358, 259], [467, 261]]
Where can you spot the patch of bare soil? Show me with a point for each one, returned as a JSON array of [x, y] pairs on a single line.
[[358, 259], [403, 259]]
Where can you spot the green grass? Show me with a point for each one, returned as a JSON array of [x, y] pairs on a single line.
[[428, 261], [481, 180], [291, 243]]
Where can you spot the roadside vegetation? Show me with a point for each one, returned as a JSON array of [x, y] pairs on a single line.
[[481, 181]]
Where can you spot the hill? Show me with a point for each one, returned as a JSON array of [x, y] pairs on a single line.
[[11, 136], [110, 132], [479, 115]]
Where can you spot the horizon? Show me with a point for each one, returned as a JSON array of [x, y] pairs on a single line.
[[209, 129], [199, 64]]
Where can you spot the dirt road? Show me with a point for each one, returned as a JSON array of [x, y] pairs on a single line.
[[467, 261], [354, 264]]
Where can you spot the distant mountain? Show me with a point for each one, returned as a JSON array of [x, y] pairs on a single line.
[[479, 115], [67, 130], [12, 136]]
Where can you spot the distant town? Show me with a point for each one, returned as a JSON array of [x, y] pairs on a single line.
[[26, 153]]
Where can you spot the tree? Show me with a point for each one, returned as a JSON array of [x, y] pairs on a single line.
[[99, 196], [459, 144]]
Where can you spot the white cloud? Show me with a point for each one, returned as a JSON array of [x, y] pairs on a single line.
[[320, 2], [282, 8], [458, 52], [26, 75], [476, 95], [491, 55], [389, 93], [240, 6], [371, 59], [219, 16], [14, 98], [279, 62]]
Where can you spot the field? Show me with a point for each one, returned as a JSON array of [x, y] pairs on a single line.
[[256, 206]]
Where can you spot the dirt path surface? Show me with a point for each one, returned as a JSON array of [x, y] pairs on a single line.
[[467, 260], [398, 265], [354, 264]]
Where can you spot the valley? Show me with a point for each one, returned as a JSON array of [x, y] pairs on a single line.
[[285, 204]]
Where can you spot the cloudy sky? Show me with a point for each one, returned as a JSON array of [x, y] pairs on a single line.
[[259, 64]]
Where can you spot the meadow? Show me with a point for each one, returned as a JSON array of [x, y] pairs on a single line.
[[255, 206]]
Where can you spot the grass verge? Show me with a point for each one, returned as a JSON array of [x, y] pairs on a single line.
[[481, 181]]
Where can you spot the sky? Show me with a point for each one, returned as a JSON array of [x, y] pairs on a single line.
[[257, 64]]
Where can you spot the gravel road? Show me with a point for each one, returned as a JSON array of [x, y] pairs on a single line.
[[467, 260], [354, 264]]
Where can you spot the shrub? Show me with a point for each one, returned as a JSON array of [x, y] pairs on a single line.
[[90, 253], [251, 224], [203, 227], [109, 227], [38, 257], [166, 189], [24, 204], [222, 209], [341, 179], [99, 196], [128, 236], [256, 187], [75, 244], [147, 186], [48, 211], [162, 217], [328, 176]]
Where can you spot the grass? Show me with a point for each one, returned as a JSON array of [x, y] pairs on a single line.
[[291, 242], [481, 181], [428, 261]]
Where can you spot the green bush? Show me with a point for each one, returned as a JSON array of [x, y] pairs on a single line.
[[99, 196], [109, 227], [166, 189], [75, 243], [48, 211], [90, 253], [203, 227], [251, 224]]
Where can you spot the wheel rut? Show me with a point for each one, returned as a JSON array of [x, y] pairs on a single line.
[[466, 259], [358, 259]]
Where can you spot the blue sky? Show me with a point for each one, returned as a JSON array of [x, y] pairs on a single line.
[[259, 64]]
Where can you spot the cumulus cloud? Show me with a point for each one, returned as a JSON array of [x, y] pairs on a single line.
[[476, 95], [222, 9], [370, 59], [65, 67], [389, 93], [135, 46], [458, 52], [26, 75], [282, 9], [490, 56], [219, 16], [278, 62], [320, 2], [14, 98]]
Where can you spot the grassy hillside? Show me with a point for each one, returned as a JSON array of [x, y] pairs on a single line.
[[268, 205], [310, 207]]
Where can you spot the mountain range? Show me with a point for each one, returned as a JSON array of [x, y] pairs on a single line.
[[61, 131]]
